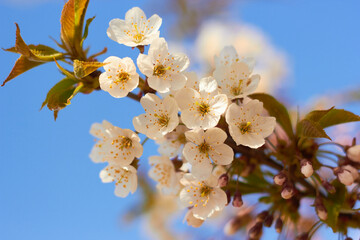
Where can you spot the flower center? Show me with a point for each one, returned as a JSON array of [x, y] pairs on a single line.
[[138, 37], [159, 70], [205, 191], [182, 138], [203, 108], [123, 77], [122, 142], [245, 127], [237, 90], [163, 120], [204, 148]]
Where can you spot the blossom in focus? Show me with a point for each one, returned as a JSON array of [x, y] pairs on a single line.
[[116, 145], [202, 109], [136, 29], [353, 153], [161, 116], [125, 178], [120, 76], [246, 126], [204, 147], [165, 71], [235, 80], [205, 196], [171, 144], [163, 172]]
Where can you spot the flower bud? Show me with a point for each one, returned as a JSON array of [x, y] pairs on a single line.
[[346, 174], [193, 221], [237, 200], [223, 180], [287, 192], [353, 153], [256, 231], [261, 216], [320, 209], [280, 178], [348, 238], [268, 221], [330, 188], [279, 225], [306, 168]]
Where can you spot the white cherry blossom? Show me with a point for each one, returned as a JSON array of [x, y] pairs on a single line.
[[116, 145], [171, 144], [165, 71], [202, 109], [120, 76], [235, 79], [160, 117], [191, 220], [246, 126], [205, 196], [125, 178], [204, 148], [136, 29], [163, 172]]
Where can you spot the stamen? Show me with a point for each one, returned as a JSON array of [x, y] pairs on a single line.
[[203, 108], [245, 127]]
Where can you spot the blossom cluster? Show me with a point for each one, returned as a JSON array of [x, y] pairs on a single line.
[[186, 118]]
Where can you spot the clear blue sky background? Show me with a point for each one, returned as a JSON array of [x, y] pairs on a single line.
[[49, 188]]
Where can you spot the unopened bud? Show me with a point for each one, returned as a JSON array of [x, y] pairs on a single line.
[[237, 200], [280, 178], [279, 225], [348, 238], [320, 209], [256, 231], [353, 153], [354, 172], [287, 192], [345, 174], [191, 220], [261, 216], [330, 188], [303, 236], [268, 221], [223, 180], [306, 168]]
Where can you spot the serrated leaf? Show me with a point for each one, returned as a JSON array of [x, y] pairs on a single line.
[[20, 46], [21, 65], [338, 116], [277, 110], [308, 128], [72, 20], [64, 84], [83, 69], [86, 31]]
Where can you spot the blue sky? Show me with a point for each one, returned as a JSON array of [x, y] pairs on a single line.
[[49, 188]]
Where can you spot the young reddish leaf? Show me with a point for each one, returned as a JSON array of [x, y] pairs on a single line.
[[20, 46], [21, 66], [67, 22], [86, 31], [277, 110], [83, 69], [308, 128]]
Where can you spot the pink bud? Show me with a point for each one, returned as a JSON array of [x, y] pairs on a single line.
[[237, 200], [279, 225], [306, 168], [287, 192], [223, 180], [280, 178], [346, 174]]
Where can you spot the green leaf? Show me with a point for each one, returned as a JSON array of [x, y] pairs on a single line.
[[277, 110], [83, 69], [308, 128], [64, 71], [86, 31], [64, 84], [333, 203], [332, 116], [21, 65]]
